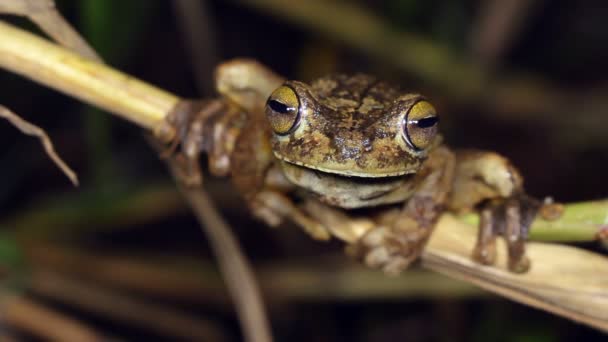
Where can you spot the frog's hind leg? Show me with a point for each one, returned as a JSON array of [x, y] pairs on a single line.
[[487, 182]]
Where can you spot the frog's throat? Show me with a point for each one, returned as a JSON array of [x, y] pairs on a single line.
[[347, 173]]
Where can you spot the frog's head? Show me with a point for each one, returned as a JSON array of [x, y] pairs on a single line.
[[351, 126], [352, 140]]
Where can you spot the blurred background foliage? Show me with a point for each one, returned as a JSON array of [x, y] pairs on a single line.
[[533, 89]]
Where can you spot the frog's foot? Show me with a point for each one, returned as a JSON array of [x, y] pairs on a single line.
[[208, 126], [272, 207], [388, 249], [511, 218]]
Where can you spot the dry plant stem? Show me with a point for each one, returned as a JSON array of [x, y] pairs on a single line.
[[146, 106], [45, 14], [567, 281], [33, 130], [94, 83], [584, 221], [496, 28], [564, 280], [94, 298], [27, 315], [235, 269]]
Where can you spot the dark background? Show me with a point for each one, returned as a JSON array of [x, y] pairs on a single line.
[[542, 104]]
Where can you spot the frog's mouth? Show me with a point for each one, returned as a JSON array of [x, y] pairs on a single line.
[[346, 190], [347, 172]]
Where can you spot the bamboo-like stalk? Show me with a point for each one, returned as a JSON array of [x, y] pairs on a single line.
[[567, 281], [564, 280], [42, 61]]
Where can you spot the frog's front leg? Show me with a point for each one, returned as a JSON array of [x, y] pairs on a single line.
[[395, 245], [272, 204], [208, 126], [214, 126], [489, 183]]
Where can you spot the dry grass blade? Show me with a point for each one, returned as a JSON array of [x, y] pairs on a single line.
[[94, 83], [498, 24], [235, 268], [30, 316], [33, 130], [44, 13], [567, 281]]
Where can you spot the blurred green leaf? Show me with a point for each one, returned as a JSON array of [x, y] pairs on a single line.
[[113, 27], [10, 253]]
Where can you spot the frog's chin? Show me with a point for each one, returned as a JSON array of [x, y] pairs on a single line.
[[349, 191], [348, 172]]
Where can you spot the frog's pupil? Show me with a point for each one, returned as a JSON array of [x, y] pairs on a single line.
[[427, 122], [279, 107]]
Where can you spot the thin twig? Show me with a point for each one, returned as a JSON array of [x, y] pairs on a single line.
[[248, 301], [498, 24], [233, 265], [44, 13], [33, 130]]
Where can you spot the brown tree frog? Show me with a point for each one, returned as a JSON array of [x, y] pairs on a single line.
[[332, 154]]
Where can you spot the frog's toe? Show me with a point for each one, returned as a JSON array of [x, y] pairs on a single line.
[[378, 249], [396, 265], [377, 257], [267, 215], [485, 254], [511, 218]]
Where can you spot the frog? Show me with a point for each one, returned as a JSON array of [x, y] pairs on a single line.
[[352, 157]]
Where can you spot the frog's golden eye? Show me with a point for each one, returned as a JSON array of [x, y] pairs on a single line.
[[283, 110], [420, 125]]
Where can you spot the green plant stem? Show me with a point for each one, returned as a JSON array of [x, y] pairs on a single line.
[[583, 221]]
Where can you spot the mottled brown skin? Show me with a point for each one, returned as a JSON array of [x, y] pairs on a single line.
[[351, 126], [347, 150]]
